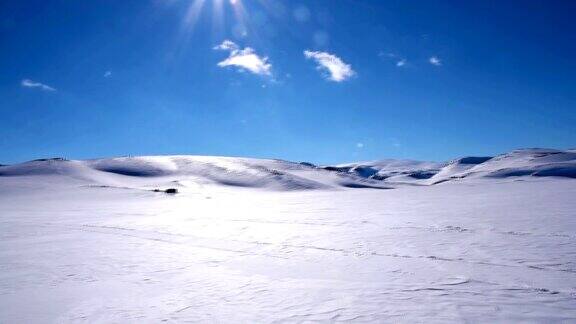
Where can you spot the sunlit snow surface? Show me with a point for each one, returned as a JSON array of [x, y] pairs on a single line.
[[78, 245]]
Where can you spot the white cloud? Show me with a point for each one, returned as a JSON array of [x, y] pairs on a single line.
[[27, 83], [227, 45], [338, 71], [360, 145], [244, 59], [107, 74], [401, 63], [434, 60]]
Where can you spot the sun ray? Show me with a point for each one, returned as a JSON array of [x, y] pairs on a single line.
[[192, 15], [241, 16], [217, 16]]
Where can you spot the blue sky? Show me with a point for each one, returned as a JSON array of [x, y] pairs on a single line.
[[323, 81]]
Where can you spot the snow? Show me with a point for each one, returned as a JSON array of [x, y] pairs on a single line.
[[248, 240], [524, 162]]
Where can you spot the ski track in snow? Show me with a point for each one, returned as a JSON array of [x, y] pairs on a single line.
[[115, 252]]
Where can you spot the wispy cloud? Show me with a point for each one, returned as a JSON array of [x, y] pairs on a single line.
[[434, 60], [244, 59], [27, 83], [400, 61], [384, 54], [338, 71], [107, 74]]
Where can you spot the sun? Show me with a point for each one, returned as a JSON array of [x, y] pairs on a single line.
[[196, 6]]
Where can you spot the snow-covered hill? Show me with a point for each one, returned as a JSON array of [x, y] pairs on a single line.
[[180, 171], [476, 239], [518, 163]]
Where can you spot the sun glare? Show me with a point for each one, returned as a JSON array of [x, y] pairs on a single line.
[[196, 7]]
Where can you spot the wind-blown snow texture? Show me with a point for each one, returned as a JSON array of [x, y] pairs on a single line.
[[248, 240]]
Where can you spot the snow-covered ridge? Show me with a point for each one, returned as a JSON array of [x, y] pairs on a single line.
[[151, 171], [534, 162], [183, 171]]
